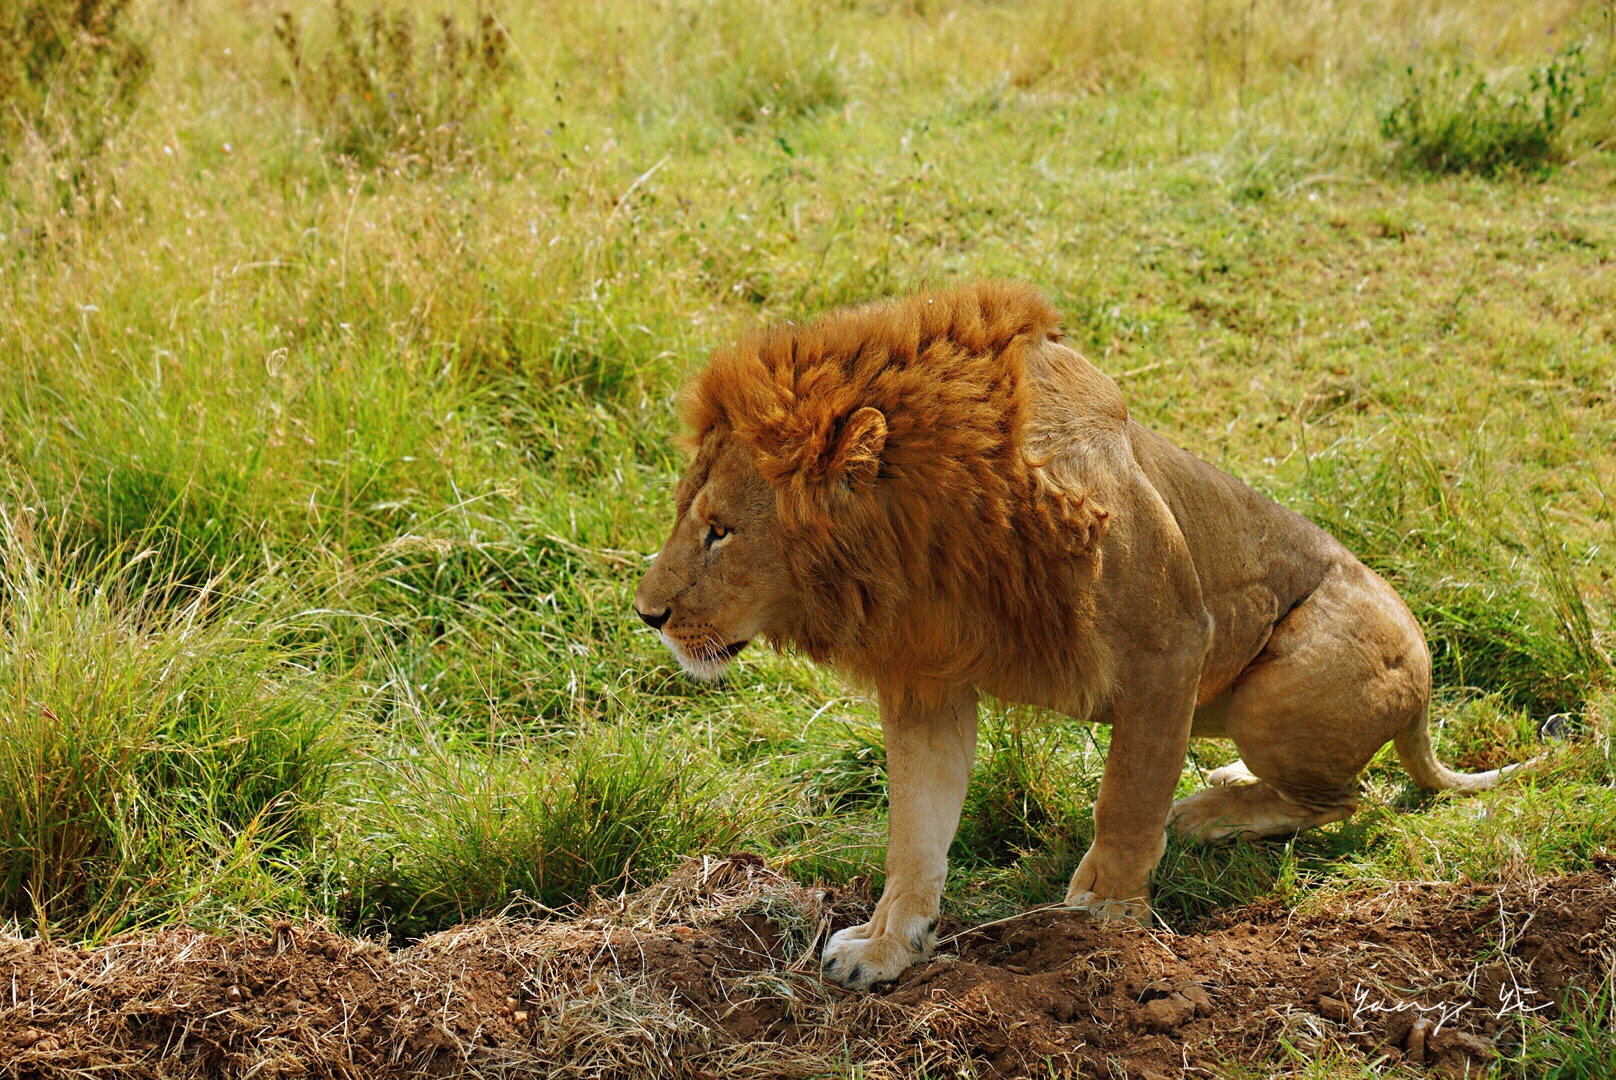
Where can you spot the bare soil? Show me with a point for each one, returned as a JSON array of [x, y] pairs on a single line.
[[712, 975]]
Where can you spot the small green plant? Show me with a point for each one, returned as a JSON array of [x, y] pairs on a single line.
[[1455, 121], [384, 91]]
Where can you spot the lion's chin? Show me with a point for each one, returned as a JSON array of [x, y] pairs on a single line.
[[707, 665]]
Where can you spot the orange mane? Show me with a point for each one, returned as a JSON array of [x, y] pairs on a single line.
[[959, 561]]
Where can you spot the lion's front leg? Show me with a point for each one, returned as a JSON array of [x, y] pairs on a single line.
[[1150, 731], [929, 752]]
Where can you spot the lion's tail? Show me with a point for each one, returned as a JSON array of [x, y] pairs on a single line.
[[1414, 750]]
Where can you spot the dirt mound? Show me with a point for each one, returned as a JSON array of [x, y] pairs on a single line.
[[712, 974]]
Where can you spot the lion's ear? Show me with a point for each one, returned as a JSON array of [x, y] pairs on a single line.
[[857, 456]]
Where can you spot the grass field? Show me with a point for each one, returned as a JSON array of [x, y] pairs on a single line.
[[337, 349]]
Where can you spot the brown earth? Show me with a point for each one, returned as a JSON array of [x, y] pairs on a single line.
[[712, 975]]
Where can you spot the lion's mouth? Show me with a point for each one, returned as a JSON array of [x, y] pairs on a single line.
[[725, 652], [707, 661]]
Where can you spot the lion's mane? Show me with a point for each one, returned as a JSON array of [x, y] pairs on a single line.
[[962, 561]]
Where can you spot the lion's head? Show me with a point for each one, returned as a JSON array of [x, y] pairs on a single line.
[[860, 489]]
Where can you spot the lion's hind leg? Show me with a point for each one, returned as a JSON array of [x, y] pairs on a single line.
[[1341, 674], [1251, 809], [1231, 775]]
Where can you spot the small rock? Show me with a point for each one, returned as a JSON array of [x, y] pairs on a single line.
[[27, 1037], [519, 1016], [1414, 1044], [1333, 1009], [1168, 1013], [1463, 1044], [1197, 995]]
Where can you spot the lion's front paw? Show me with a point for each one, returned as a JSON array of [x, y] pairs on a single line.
[[1105, 908], [857, 960], [1111, 887]]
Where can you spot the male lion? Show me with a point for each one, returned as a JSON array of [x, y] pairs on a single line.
[[940, 499]]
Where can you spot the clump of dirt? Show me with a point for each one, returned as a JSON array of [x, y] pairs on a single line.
[[713, 974]]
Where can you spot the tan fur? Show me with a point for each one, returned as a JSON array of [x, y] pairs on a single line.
[[940, 499]]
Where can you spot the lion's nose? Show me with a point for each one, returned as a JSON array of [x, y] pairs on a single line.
[[654, 621]]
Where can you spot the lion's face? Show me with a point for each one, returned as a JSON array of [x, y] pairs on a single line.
[[719, 581]]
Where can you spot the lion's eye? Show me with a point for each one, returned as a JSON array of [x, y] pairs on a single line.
[[715, 533]]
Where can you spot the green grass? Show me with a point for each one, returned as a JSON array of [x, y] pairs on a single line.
[[333, 440], [156, 760], [460, 834], [1457, 122]]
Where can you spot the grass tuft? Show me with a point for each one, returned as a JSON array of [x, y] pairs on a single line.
[[1578, 1046], [386, 90], [457, 835], [70, 74], [1456, 121], [147, 754], [1504, 606]]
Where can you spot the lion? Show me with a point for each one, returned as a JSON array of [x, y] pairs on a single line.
[[942, 500]]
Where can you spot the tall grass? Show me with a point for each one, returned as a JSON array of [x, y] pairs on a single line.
[[1492, 581], [1576, 1048], [69, 75], [142, 746], [384, 90]]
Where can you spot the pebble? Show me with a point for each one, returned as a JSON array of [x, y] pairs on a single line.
[[1168, 1013], [1333, 1009], [1414, 1044]]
